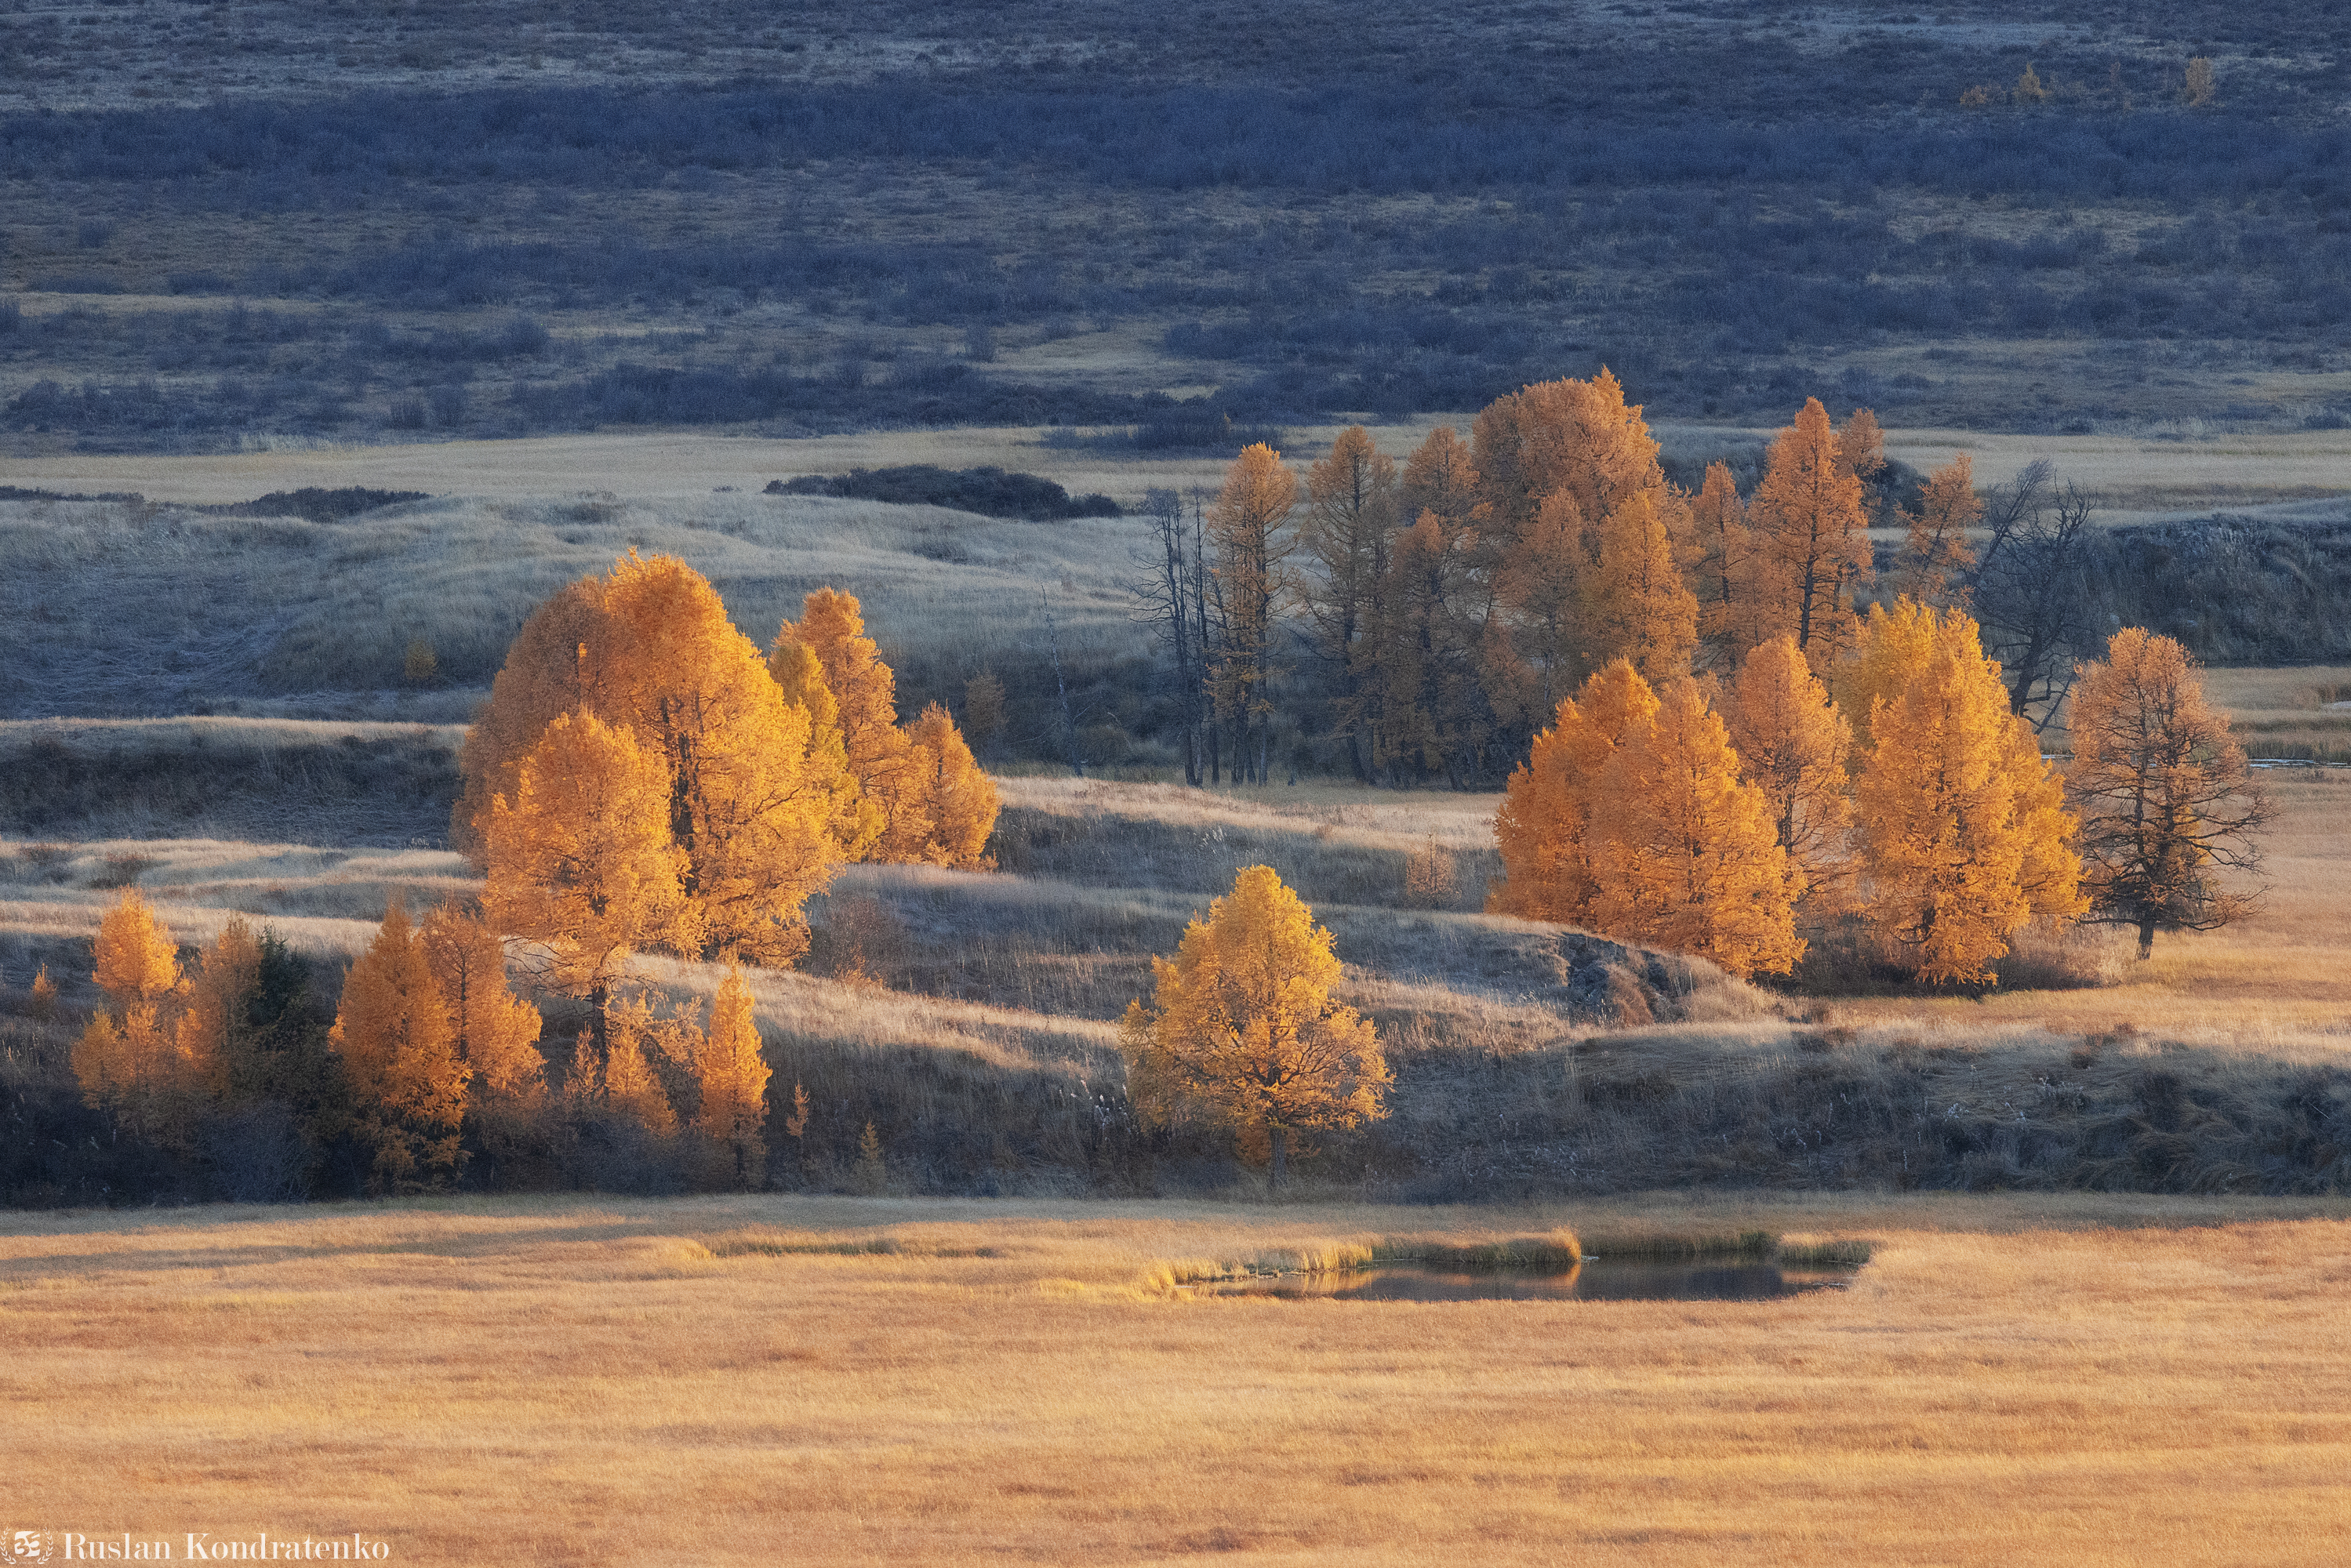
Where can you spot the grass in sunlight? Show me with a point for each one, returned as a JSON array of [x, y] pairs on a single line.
[[836, 1380]]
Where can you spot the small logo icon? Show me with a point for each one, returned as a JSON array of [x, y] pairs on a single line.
[[30, 1546]]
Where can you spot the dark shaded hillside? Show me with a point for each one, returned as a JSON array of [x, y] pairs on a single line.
[[2236, 591]]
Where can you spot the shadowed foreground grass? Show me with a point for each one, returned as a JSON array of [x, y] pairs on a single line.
[[2079, 1379]]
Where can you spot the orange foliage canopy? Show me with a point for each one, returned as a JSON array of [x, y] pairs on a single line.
[[1543, 825], [1812, 544], [2165, 796], [649, 650], [1794, 745], [887, 786], [1640, 608], [128, 1056], [1245, 1033], [392, 1033], [1935, 553], [1683, 856], [1964, 834], [495, 1032], [732, 1075], [582, 860]]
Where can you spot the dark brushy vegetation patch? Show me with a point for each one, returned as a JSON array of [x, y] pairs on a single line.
[[990, 492], [724, 218]]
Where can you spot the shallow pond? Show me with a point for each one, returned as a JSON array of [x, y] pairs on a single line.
[[1597, 1279]]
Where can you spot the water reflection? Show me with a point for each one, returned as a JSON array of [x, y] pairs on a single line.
[[1596, 1279]]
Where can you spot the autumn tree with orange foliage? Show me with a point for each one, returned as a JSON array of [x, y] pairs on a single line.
[[649, 650], [625, 1084], [943, 787], [1683, 855], [1576, 437], [1245, 522], [1812, 544], [582, 863], [1243, 1033], [1964, 834], [1544, 826], [1730, 620], [862, 691], [1640, 609], [1863, 444], [1936, 556], [1544, 580], [1432, 707], [495, 1031], [128, 1056], [732, 1074], [914, 795], [1796, 746], [393, 1034], [2165, 799]]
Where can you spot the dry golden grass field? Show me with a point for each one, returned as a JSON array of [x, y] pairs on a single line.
[[2012, 1381]]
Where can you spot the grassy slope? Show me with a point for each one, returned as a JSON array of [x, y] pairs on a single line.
[[2012, 1381], [967, 1018]]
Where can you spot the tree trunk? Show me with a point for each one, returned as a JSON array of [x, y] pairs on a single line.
[[599, 998], [2146, 940], [1280, 1150]]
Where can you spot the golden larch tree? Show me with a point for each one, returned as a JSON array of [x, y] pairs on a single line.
[[212, 1024], [1863, 444], [1544, 580], [649, 650], [627, 1084], [1246, 522], [1728, 617], [1577, 436], [1933, 565], [1811, 540], [2164, 796], [553, 666], [1243, 1033], [1543, 827], [128, 1056], [1640, 609], [732, 1074], [864, 692], [1896, 644], [944, 787], [1964, 833], [855, 820], [496, 1032], [1430, 635], [1793, 744], [751, 822], [581, 861], [1684, 856], [392, 1033]]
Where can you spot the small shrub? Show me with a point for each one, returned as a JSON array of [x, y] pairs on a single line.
[[1430, 880]]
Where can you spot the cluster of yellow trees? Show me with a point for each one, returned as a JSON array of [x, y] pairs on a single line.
[[641, 777], [1705, 816], [427, 1030], [1455, 601]]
